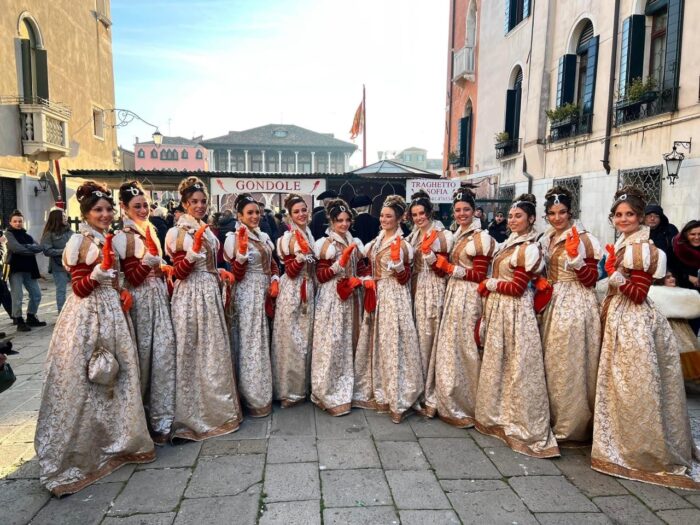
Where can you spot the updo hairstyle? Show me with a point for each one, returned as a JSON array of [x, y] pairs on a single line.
[[526, 202], [421, 198], [292, 199], [242, 200], [129, 190], [557, 195], [634, 197], [335, 207], [396, 203], [464, 194], [190, 186], [89, 192]]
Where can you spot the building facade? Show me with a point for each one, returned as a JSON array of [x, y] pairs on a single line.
[[462, 74], [418, 158], [174, 154], [589, 95], [56, 90], [279, 148]]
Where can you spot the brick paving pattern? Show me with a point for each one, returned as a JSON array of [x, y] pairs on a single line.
[[301, 466]]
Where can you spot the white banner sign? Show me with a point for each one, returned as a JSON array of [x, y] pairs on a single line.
[[440, 190], [229, 185]]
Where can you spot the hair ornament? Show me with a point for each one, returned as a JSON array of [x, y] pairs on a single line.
[[622, 198], [197, 186], [97, 193], [134, 191], [556, 198]]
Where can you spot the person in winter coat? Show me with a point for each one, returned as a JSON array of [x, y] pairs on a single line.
[[662, 231], [22, 250], [53, 241], [686, 253], [158, 220], [498, 229], [5, 297]]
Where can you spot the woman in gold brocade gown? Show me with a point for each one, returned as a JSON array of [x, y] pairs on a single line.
[[511, 401], [140, 255], [292, 332], [206, 400], [641, 429], [388, 375], [338, 312], [257, 284], [456, 360], [91, 419], [571, 321], [428, 239]]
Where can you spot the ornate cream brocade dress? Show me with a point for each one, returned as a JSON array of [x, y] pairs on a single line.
[[428, 284], [206, 400], [336, 326], [641, 429], [456, 360], [153, 327], [512, 402], [87, 430], [571, 335], [292, 331], [388, 374], [250, 328]]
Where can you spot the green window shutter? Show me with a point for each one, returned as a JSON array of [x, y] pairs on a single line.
[[465, 138], [507, 25], [631, 52], [42, 74], [674, 31], [589, 82], [25, 46], [566, 79], [526, 8], [513, 113], [468, 142]]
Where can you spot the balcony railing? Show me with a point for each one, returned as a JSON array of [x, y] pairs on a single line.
[[463, 63], [507, 148], [570, 127], [649, 105], [44, 128]]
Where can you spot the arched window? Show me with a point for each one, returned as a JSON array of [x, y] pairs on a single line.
[[576, 75], [199, 155], [471, 24], [154, 154], [34, 66], [163, 154], [184, 155], [173, 155], [142, 154]]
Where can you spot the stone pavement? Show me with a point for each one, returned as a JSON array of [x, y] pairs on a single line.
[[301, 466]]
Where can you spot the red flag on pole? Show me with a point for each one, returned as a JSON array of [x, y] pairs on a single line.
[[358, 123]]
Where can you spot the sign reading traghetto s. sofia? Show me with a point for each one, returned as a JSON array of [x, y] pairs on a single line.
[[229, 185], [440, 190]]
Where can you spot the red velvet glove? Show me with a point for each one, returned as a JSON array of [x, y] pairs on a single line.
[[107, 253], [370, 295], [243, 241], [274, 289], [301, 241], [483, 291], [396, 250], [611, 261], [127, 300], [443, 264], [572, 243], [226, 277], [543, 294], [427, 242], [197, 243], [345, 256]]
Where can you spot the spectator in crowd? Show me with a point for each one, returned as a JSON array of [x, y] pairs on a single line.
[[282, 225], [365, 226], [662, 231], [177, 212], [22, 250], [53, 241], [5, 298], [214, 219], [686, 254], [479, 214], [159, 221], [319, 221], [498, 229], [227, 223]]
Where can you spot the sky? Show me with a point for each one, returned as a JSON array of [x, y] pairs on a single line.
[[204, 67]]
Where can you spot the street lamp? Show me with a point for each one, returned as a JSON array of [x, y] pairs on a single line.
[[125, 116], [675, 159], [43, 185]]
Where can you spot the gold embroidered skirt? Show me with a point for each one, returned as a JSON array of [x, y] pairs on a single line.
[[206, 401], [511, 401], [641, 429], [87, 430], [571, 343]]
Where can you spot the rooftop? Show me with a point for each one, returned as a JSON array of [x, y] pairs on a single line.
[[173, 141], [276, 135]]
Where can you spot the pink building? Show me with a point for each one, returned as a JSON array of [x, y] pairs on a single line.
[[175, 153]]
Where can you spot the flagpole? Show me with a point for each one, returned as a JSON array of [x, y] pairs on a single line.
[[364, 128]]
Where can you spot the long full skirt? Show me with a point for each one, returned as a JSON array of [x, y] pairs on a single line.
[[250, 335], [641, 429], [456, 362], [206, 401], [155, 342], [511, 401], [571, 341], [428, 302], [388, 374], [87, 430], [336, 329], [292, 337]]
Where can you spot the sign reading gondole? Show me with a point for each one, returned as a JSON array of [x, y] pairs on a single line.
[[440, 191], [229, 185]]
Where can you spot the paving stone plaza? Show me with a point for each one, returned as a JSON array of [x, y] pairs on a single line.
[[301, 466]]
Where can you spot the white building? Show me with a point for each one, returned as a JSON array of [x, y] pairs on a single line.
[[539, 56]]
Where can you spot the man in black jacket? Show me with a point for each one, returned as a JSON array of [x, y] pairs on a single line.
[[319, 222], [365, 226], [662, 231]]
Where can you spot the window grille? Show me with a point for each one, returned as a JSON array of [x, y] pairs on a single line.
[[506, 193], [573, 184], [647, 179]]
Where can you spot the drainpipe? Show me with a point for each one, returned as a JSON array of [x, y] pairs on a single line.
[[451, 75], [529, 177], [611, 90]]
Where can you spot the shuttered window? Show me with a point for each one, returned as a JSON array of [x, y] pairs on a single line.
[[513, 98], [465, 136], [631, 52], [566, 79], [515, 12]]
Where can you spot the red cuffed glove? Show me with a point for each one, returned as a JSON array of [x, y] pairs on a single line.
[[127, 300], [611, 261]]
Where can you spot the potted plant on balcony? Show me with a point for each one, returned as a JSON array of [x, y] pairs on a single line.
[[565, 115], [502, 139], [638, 92], [453, 158]]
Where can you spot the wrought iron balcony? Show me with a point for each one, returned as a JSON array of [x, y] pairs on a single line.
[[463, 63], [648, 105], [507, 148], [570, 127]]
